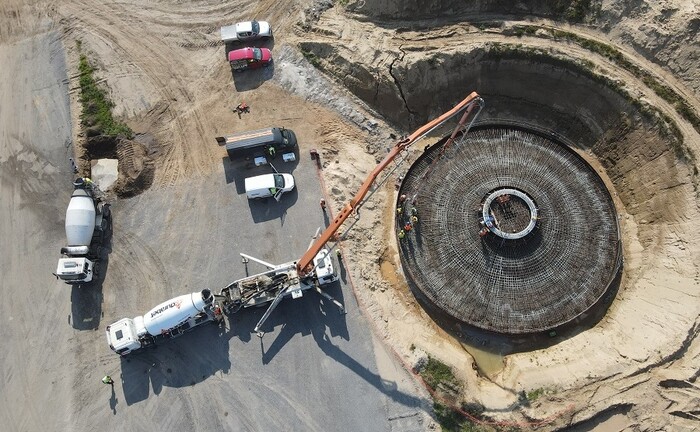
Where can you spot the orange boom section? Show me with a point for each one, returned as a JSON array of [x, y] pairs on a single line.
[[305, 264]]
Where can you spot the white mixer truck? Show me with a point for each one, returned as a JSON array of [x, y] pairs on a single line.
[[176, 316], [167, 320], [88, 221]]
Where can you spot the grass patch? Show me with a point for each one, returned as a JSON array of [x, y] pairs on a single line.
[[312, 58], [485, 25], [436, 372], [574, 11], [667, 127], [468, 417], [534, 394], [97, 108], [525, 30], [451, 420]]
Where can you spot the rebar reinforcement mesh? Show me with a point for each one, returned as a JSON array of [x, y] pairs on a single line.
[[520, 286]]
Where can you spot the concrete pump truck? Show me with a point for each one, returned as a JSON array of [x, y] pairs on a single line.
[[312, 271]]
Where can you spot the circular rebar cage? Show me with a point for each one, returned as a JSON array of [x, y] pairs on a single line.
[[510, 231]]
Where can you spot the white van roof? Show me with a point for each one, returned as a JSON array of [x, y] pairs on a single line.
[[265, 181]]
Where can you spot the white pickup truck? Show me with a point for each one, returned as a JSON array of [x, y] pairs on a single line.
[[246, 31]]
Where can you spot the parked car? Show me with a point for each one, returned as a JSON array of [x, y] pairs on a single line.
[[249, 58], [268, 185], [246, 31]]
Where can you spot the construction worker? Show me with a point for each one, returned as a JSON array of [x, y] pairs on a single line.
[[271, 152], [399, 211], [401, 234], [88, 181], [323, 205], [408, 227], [338, 254], [414, 219], [402, 198], [108, 380]]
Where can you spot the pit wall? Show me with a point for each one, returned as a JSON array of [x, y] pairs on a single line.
[[667, 37], [527, 87], [637, 148], [393, 10], [650, 176]]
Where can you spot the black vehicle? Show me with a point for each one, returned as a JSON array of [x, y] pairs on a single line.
[[262, 142]]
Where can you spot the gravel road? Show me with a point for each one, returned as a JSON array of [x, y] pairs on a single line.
[[314, 369]]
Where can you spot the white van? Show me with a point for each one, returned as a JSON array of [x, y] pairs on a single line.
[[268, 185]]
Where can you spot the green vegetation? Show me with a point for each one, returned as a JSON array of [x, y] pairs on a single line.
[[484, 25], [668, 129], [449, 419], [614, 55], [525, 30], [453, 421], [573, 10], [312, 58], [97, 108], [534, 394], [436, 372]]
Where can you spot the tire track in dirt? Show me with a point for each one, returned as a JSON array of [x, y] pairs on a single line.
[[183, 156], [145, 36], [142, 267]]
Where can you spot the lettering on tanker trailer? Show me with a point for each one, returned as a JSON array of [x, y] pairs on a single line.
[[175, 304]]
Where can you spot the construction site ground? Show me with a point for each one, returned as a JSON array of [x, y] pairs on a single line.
[[166, 72]]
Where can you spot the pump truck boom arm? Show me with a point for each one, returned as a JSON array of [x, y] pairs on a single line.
[[176, 316], [305, 264]]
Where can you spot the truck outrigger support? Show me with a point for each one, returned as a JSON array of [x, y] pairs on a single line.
[[295, 289]]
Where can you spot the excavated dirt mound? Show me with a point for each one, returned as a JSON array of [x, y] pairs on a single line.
[[136, 169]]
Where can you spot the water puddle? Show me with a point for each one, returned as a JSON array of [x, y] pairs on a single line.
[[488, 363]]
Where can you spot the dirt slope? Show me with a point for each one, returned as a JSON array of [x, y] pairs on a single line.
[[166, 73]]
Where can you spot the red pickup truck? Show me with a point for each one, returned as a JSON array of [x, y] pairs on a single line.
[[249, 58]]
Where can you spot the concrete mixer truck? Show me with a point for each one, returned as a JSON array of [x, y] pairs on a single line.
[[88, 221], [169, 319]]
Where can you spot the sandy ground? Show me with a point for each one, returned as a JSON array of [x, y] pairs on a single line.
[[314, 370], [636, 369]]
